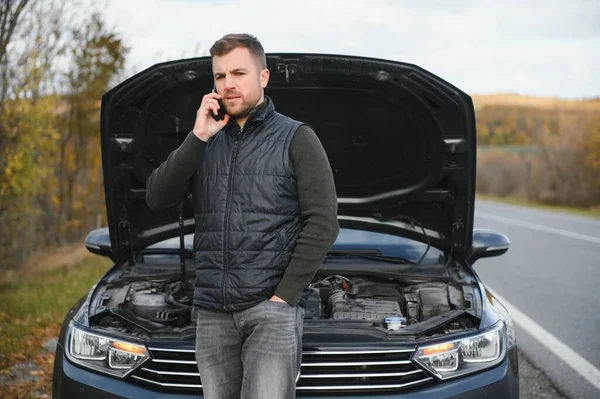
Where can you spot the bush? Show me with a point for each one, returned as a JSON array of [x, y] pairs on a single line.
[[501, 173], [564, 171]]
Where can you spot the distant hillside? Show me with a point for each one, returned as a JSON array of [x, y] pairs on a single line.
[[514, 120], [515, 100], [539, 148]]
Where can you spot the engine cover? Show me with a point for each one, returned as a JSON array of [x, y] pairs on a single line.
[[344, 307]]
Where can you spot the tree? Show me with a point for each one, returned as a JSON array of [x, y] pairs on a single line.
[[98, 58], [30, 43], [10, 14], [54, 73]]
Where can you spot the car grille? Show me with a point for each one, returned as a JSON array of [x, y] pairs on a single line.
[[322, 371]]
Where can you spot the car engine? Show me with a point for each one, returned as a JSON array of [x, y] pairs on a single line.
[[340, 298], [334, 297]]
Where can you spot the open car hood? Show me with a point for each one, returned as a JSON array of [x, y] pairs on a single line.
[[400, 140]]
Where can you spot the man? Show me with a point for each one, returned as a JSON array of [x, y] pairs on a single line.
[[265, 215]]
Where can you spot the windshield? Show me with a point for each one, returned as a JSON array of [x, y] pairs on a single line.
[[387, 244]]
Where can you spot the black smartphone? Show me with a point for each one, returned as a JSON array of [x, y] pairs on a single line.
[[221, 114]]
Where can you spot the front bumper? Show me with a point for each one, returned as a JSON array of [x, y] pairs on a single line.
[[502, 382]]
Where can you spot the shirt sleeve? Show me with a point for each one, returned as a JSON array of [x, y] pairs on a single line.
[[171, 180], [318, 208]]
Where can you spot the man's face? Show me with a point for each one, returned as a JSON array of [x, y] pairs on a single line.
[[240, 80]]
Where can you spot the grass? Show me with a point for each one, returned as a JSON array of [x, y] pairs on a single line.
[[586, 212], [33, 306]]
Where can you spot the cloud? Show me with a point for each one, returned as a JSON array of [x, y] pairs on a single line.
[[535, 47]]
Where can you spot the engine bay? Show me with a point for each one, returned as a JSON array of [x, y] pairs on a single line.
[[340, 298], [167, 305]]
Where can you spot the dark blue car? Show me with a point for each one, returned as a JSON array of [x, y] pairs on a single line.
[[395, 310]]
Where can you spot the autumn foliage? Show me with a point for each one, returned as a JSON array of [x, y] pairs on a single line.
[[56, 66], [544, 154]]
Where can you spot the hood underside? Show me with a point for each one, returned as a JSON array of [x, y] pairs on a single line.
[[400, 140]]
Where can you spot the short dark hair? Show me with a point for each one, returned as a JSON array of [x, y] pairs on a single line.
[[234, 40]]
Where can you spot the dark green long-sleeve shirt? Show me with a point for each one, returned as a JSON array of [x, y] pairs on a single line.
[[316, 197]]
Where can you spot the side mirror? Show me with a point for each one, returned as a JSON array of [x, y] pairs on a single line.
[[487, 244], [98, 242]]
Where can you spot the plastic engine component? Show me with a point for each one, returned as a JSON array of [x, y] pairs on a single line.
[[311, 302], [149, 304], [433, 299], [345, 308]]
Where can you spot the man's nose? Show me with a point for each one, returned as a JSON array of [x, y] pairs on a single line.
[[229, 83]]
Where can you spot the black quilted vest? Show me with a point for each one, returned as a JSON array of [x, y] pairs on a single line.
[[246, 211]]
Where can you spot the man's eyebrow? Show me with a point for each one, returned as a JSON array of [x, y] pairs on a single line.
[[217, 74]]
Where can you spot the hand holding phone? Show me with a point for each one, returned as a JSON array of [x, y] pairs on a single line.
[[221, 114], [210, 117]]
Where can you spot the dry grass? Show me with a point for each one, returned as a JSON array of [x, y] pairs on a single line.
[[34, 302], [67, 256], [481, 101]]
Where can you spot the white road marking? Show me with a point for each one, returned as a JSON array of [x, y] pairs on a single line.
[[546, 214], [538, 227], [553, 344]]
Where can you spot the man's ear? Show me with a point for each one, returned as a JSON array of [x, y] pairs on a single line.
[[264, 77]]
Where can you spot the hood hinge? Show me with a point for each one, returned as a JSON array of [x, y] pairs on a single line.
[[287, 70]]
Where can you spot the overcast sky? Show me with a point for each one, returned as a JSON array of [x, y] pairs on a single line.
[[544, 48]]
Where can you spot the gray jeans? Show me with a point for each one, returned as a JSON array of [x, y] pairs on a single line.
[[253, 353]]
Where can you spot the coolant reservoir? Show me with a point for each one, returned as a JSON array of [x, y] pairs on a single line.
[[147, 304]]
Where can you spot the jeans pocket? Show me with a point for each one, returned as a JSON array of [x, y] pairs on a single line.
[[281, 306]]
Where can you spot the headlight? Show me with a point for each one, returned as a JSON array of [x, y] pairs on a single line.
[[452, 359], [104, 354], [511, 339]]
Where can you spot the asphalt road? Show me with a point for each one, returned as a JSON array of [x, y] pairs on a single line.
[[551, 278]]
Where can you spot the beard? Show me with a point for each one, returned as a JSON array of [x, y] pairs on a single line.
[[244, 109]]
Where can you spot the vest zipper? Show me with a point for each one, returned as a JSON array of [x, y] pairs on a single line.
[[227, 209]]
